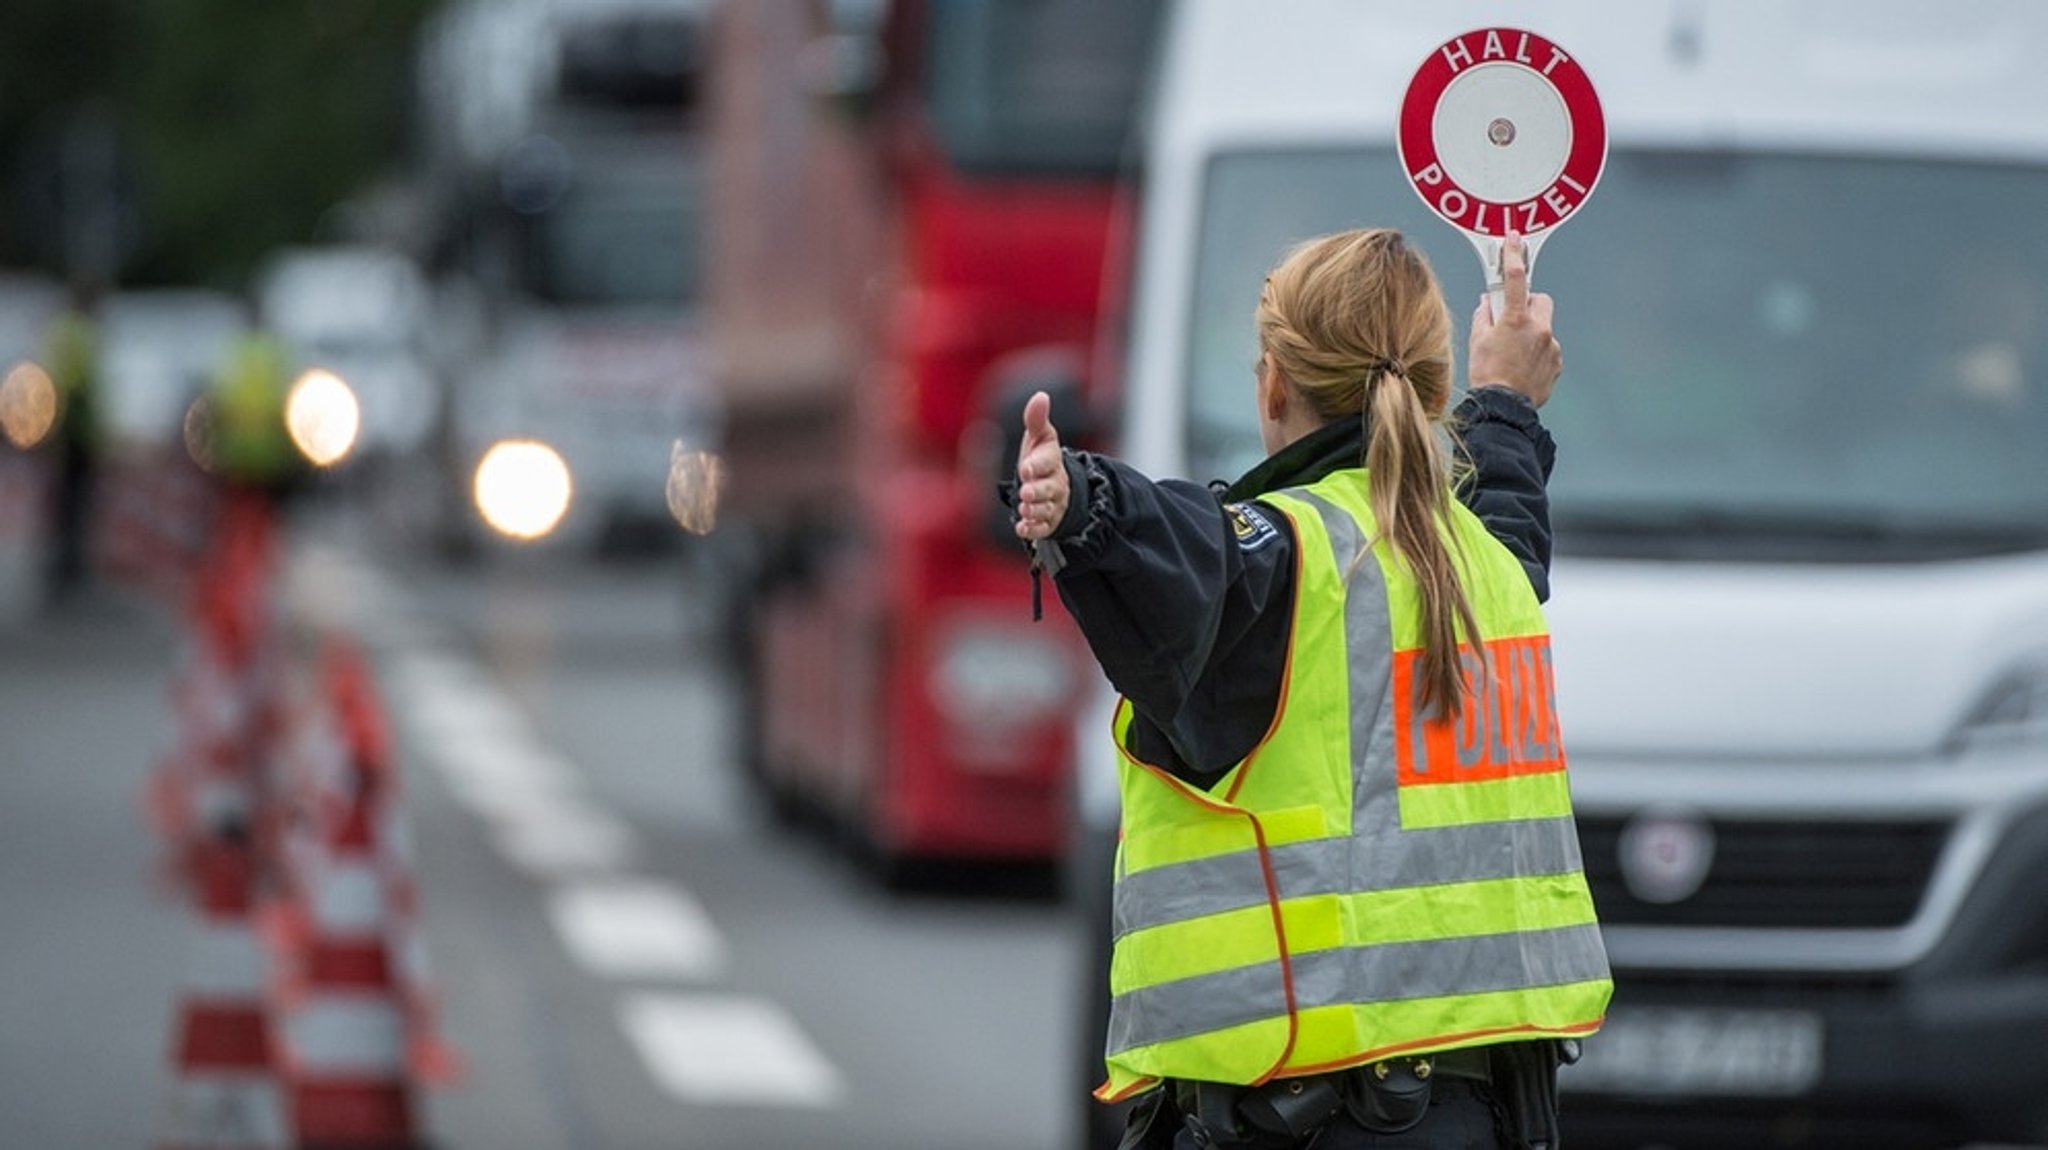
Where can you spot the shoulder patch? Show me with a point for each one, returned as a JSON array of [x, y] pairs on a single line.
[[1250, 525]]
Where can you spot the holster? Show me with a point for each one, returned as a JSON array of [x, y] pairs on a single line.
[[1150, 1125], [1388, 1097], [1525, 1085], [1282, 1113], [1292, 1109]]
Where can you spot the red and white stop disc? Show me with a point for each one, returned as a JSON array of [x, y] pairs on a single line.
[[1501, 131]]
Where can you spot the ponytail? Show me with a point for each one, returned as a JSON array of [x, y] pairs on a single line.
[[1357, 324], [1411, 498]]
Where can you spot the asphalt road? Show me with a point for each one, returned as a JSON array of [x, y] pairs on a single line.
[[91, 938], [625, 953]]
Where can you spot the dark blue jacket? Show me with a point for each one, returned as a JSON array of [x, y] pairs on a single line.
[[1185, 592]]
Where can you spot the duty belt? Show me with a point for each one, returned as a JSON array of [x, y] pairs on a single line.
[[1386, 1096]]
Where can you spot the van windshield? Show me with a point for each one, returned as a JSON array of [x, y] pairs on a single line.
[[1805, 356]]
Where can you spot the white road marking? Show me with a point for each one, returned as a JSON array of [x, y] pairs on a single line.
[[499, 776], [491, 763], [637, 928], [729, 1050], [449, 710], [701, 1048], [565, 838], [412, 671]]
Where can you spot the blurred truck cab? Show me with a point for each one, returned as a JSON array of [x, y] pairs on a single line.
[[1800, 595], [911, 202], [565, 150]]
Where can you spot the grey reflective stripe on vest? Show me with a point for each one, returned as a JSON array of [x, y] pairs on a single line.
[[1368, 860], [1369, 652], [1435, 968], [1178, 892]]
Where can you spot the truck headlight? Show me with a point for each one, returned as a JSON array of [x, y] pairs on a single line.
[[323, 417], [989, 675], [2014, 712], [522, 488]]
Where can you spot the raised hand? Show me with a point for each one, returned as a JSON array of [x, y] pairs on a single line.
[[1041, 473], [1516, 349]]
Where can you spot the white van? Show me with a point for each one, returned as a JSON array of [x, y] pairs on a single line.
[[1800, 595]]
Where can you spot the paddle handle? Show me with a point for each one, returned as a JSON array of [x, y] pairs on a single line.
[[1489, 249]]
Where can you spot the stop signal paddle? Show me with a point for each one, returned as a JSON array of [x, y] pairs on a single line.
[[1501, 131]]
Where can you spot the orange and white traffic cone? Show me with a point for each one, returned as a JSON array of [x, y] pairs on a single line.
[[343, 1019], [224, 700], [208, 717], [364, 729], [225, 1094]]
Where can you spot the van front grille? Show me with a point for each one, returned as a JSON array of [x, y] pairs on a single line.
[[1816, 874]]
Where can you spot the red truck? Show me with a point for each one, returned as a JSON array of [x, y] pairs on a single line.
[[910, 209]]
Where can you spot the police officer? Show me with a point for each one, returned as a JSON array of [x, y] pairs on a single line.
[[248, 445], [72, 350], [1349, 904]]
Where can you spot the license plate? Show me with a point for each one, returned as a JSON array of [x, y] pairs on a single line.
[[1700, 1052]]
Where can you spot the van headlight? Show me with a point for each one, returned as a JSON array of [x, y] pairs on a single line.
[[2014, 712]]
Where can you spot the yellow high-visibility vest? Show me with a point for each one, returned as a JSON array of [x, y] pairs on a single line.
[[251, 444], [1370, 880], [74, 362]]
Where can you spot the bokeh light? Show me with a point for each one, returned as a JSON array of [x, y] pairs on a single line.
[[197, 431], [323, 417], [522, 488], [695, 481], [28, 405]]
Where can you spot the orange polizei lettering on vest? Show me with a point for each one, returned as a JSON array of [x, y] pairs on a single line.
[[1508, 726]]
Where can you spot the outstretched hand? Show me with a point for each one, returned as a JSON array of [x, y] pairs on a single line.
[[1517, 348], [1042, 489]]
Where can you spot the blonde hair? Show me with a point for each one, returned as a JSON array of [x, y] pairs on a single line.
[[1358, 326]]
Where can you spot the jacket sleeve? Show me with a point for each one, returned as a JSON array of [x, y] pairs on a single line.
[[1508, 455], [1166, 583]]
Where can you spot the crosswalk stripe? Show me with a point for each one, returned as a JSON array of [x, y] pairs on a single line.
[[730, 1050], [564, 837], [637, 928]]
